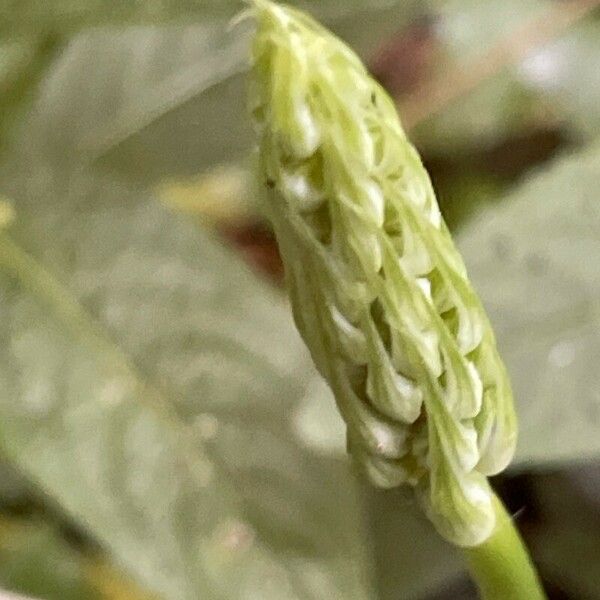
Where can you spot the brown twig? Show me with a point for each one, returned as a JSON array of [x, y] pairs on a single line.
[[436, 95]]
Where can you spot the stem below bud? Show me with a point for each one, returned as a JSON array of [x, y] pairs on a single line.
[[501, 566]]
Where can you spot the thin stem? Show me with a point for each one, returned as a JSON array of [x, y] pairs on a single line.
[[501, 566]]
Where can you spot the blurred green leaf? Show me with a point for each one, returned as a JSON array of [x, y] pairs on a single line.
[[148, 383], [35, 560], [110, 85], [412, 560], [23, 62], [575, 85], [14, 488], [534, 259], [153, 102], [23, 16]]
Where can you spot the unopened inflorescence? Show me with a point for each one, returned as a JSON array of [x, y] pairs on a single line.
[[379, 292]]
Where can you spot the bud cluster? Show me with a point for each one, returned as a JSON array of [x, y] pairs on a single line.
[[379, 292]]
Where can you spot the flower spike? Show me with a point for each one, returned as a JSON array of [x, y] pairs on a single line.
[[379, 292]]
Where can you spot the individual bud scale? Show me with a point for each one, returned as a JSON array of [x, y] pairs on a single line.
[[379, 292]]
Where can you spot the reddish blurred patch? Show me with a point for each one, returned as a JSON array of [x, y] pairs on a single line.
[[258, 246], [405, 60]]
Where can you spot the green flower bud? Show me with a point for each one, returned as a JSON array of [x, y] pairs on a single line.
[[379, 292]]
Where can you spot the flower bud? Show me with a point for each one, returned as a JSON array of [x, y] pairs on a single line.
[[379, 292]]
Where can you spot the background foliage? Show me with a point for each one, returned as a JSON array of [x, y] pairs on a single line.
[[162, 431]]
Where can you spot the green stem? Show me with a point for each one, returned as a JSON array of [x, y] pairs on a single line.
[[501, 566]]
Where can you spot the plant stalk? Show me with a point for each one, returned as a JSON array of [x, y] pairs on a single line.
[[501, 566]]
